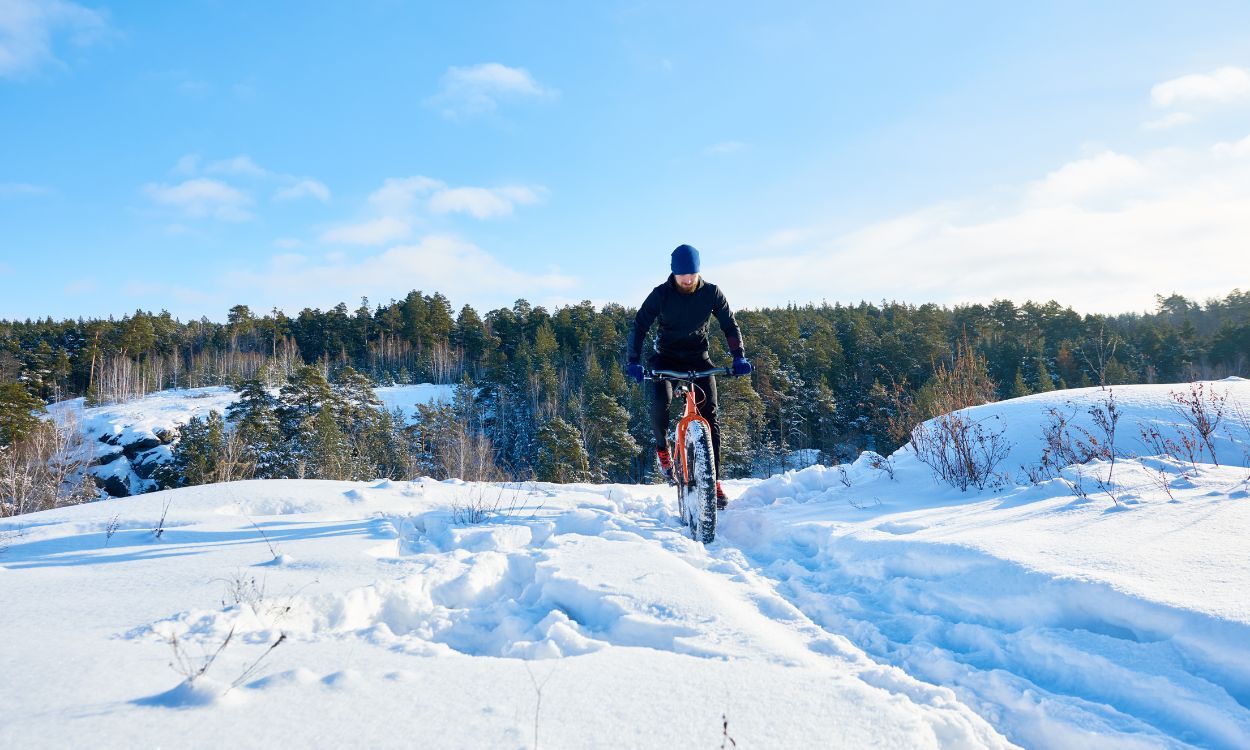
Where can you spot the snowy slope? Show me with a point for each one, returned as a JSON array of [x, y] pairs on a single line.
[[839, 607], [126, 442]]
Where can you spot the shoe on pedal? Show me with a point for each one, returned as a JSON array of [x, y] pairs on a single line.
[[665, 461], [722, 500]]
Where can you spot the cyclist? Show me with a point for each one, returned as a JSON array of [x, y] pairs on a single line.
[[682, 305]]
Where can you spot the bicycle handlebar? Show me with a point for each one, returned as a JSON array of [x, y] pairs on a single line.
[[676, 375]]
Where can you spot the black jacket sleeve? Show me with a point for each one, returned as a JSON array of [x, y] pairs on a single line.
[[725, 316], [642, 322]]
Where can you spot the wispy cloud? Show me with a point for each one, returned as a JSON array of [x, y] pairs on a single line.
[[305, 188], [28, 29], [724, 147], [187, 165], [375, 232], [1237, 150], [479, 89], [239, 166], [81, 286], [203, 198], [288, 243], [401, 196], [1106, 173], [164, 292], [1104, 233], [1221, 85], [1169, 121], [398, 195], [20, 189], [481, 203], [435, 262], [243, 168]]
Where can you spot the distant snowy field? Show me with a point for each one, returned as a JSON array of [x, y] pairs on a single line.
[[839, 607]]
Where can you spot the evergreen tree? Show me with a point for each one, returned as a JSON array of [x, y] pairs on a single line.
[[197, 454], [18, 413], [1044, 383], [741, 418], [302, 398], [610, 446], [1019, 387], [255, 420], [561, 456], [328, 451]]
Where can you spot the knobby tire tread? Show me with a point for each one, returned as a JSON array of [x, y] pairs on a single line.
[[701, 497]]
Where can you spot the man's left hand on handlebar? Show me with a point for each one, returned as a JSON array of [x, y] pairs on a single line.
[[742, 366]]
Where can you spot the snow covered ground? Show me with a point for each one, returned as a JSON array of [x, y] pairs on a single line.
[[839, 607]]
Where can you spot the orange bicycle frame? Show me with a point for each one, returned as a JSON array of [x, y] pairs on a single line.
[[691, 415]]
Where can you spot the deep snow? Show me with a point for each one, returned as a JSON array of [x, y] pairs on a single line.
[[839, 607]]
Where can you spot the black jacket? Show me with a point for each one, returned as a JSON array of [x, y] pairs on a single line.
[[683, 321]]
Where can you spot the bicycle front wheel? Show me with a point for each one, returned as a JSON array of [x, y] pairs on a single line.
[[699, 487]]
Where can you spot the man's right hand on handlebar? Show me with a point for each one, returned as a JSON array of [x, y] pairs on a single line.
[[634, 371]]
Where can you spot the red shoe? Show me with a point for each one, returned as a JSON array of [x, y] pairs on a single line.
[[666, 462], [722, 500]]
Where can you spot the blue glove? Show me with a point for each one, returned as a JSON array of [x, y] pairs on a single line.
[[742, 366], [633, 371]]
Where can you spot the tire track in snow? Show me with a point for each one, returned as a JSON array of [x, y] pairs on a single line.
[[1049, 662]]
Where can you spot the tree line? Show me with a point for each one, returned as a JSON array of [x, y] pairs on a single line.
[[536, 382]]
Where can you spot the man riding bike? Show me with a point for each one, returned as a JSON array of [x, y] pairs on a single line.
[[682, 305]]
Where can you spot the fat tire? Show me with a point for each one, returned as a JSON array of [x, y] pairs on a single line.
[[699, 497]]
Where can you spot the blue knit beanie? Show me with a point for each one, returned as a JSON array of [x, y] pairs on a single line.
[[685, 260]]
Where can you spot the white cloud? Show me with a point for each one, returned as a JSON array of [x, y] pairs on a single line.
[[1112, 231], [1107, 173], [19, 189], [478, 89], [243, 166], [1237, 150], [375, 232], [240, 166], [1167, 122], [304, 188], [481, 203], [398, 195], [458, 269], [1221, 85], [202, 197], [187, 165], [724, 147], [27, 29], [287, 243], [786, 238]]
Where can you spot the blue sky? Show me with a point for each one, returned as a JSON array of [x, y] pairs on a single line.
[[195, 155]]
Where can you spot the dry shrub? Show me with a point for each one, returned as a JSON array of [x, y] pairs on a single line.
[[46, 469], [960, 451]]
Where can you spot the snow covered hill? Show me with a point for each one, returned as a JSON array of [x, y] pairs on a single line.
[[126, 442], [839, 607]]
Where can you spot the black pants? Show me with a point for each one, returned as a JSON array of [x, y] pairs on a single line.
[[704, 396]]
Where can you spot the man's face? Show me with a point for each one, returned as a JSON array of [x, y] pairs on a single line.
[[686, 282]]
